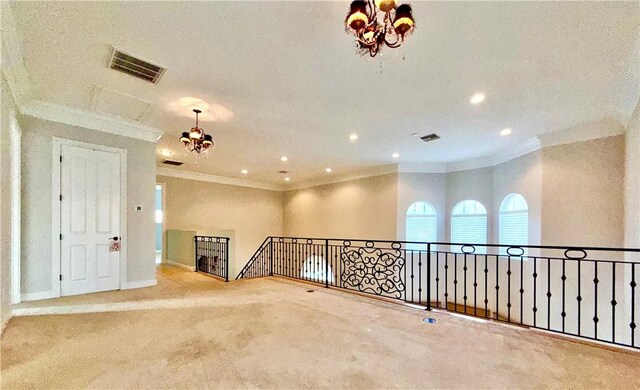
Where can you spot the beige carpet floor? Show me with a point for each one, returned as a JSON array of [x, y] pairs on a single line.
[[271, 333]]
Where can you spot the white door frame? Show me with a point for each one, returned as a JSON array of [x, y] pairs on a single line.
[[56, 217], [163, 186], [16, 158]]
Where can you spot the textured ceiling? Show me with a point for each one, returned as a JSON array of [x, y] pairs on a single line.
[[282, 78]]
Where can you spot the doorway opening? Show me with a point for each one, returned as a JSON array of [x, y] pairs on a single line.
[[159, 223]]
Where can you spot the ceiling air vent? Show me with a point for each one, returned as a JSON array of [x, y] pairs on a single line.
[[172, 162], [430, 137], [136, 67]]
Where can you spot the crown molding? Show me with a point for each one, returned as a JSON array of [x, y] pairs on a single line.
[[528, 146], [422, 168], [361, 174], [188, 175], [90, 120]]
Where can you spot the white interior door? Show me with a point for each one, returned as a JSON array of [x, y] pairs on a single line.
[[90, 219]]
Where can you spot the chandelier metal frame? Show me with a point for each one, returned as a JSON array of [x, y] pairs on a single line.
[[379, 23], [196, 140]]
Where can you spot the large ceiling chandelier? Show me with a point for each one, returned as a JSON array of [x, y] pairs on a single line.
[[377, 23], [195, 140]]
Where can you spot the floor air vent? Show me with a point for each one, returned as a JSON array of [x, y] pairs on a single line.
[[136, 67], [172, 162], [430, 137]]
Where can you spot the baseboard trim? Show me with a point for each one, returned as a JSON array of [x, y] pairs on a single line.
[[5, 322], [40, 295], [140, 284], [189, 267]]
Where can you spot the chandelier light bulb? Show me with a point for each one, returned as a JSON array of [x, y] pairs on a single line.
[[357, 18], [403, 22], [386, 5], [195, 133]]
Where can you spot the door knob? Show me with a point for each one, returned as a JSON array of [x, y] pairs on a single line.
[[116, 238]]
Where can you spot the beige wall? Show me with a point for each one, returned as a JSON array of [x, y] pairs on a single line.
[[362, 208], [474, 184], [582, 193], [425, 187], [522, 175], [632, 181], [36, 200], [489, 186], [8, 109], [252, 213]]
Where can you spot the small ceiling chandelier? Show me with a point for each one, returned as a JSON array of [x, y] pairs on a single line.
[[196, 140], [377, 23]]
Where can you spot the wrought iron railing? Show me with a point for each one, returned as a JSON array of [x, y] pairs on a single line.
[[212, 255], [585, 292]]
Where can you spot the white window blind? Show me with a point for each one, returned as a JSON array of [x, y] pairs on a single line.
[[421, 225], [469, 224], [514, 221]]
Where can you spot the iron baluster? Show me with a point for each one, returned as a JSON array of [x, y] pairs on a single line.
[[563, 314], [464, 268], [521, 290], [595, 301], [508, 288], [419, 277], [497, 288], [326, 263], [579, 297], [613, 302], [475, 285], [535, 290], [429, 276], [548, 293], [632, 325], [486, 287], [455, 282]]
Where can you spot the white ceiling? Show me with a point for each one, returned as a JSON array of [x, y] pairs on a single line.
[[288, 82]]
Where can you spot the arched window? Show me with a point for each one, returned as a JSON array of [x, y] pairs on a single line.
[[314, 269], [469, 224], [421, 225], [514, 221]]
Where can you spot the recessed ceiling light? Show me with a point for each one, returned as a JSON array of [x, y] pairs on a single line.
[[284, 159], [287, 179], [353, 137], [328, 170], [395, 155], [166, 153], [477, 98], [505, 131], [244, 171]]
